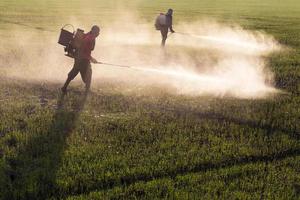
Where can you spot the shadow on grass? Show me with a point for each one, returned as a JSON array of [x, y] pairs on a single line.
[[32, 172], [200, 167], [269, 128], [130, 179]]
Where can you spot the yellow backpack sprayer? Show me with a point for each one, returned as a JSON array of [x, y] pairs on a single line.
[[70, 40]]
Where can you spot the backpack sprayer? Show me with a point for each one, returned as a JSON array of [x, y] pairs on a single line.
[[70, 40], [160, 21], [73, 40]]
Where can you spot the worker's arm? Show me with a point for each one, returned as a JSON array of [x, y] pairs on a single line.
[[92, 44], [92, 47], [171, 29], [171, 24], [93, 60]]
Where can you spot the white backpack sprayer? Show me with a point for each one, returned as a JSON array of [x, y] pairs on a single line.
[[161, 20]]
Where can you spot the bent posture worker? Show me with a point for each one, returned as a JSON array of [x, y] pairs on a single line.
[[165, 28], [83, 59]]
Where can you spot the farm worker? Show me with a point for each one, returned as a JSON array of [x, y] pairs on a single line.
[[83, 59], [165, 26]]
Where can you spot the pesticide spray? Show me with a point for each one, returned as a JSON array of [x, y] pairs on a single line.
[[215, 59], [72, 41], [221, 41]]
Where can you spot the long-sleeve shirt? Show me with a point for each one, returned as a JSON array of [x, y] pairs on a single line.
[[169, 22]]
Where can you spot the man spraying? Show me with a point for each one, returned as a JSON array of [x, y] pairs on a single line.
[[164, 22], [83, 59]]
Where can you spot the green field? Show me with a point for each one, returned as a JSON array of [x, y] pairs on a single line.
[[152, 144]]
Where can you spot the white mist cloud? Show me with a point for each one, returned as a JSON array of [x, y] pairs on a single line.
[[212, 59]]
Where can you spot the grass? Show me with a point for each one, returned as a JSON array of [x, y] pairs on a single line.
[[116, 144]]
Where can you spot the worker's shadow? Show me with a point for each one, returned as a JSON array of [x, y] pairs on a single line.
[[33, 173]]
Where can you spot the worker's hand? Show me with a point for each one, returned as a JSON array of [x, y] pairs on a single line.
[[93, 60]]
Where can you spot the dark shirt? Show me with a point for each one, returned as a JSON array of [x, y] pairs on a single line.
[[169, 22]]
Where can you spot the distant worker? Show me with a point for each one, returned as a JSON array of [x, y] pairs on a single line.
[[83, 58], [164, 22]]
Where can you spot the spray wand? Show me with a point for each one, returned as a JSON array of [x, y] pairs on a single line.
[[189, 34], [115, 65]]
